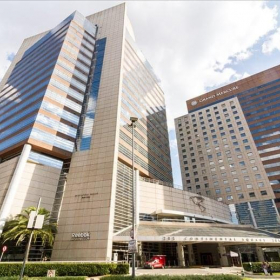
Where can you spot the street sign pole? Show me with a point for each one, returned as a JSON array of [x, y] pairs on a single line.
[[29, 243]]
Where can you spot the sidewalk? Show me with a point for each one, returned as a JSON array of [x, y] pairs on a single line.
[[253, 276], [196, 271]]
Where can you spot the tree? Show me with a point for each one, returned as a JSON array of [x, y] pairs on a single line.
[[16, 228]]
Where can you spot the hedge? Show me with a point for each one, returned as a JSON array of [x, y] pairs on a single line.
[[47, 278], [177, 277], [63, 269], [257, 266]]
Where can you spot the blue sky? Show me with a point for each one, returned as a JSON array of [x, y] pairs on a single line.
[[193, 46]]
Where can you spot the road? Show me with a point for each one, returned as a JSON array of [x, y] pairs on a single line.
[[189, 271], [201, 271]]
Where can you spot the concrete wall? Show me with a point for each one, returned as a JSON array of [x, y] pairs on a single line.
[[7, 169], [93, 173], [155, 197], [37, 181]]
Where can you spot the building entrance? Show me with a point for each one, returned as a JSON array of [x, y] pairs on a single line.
[[206, 259]]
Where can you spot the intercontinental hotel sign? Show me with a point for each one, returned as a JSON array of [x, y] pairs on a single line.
[[202, 239], [193, 103], [220, 239]]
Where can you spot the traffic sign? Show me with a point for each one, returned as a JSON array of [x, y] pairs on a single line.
[[4, 249], [132, 246]]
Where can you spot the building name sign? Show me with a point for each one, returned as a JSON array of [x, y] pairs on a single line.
[[214, 95], [85, 195], [80, 236], [220, 239]]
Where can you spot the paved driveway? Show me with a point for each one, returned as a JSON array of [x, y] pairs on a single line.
[[188, 271]]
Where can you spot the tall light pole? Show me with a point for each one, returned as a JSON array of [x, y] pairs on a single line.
[[132, 125]]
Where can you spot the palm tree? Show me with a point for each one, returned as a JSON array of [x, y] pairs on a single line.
[[16, 229]]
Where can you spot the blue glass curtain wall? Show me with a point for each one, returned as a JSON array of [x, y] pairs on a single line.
[[88, 123]]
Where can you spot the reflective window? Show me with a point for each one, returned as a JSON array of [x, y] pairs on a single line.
[[240, 195]]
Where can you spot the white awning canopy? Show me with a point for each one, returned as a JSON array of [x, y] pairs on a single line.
[[199, 233]]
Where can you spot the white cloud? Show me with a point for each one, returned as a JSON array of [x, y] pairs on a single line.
[[191, 45], [243, 55], [272, 43], [22, 19], [173, 143]]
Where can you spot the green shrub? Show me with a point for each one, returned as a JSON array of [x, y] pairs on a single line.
[[176, 277], [63, 269], [46, 278], [121, 269], [256, 267]]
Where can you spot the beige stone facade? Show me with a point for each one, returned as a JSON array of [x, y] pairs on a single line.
[[93, 172], [36, 181], [218, 156], [65, 107], [98, 194], [163, 202]]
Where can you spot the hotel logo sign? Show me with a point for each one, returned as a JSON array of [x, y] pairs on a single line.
[[198, 200], [80, 236], [193, 103]]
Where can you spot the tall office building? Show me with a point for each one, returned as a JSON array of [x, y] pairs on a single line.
[[229, 147], [65, 104], [41, 101]]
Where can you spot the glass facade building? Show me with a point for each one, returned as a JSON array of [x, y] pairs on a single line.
[[237, 126], [42, 99], [65, 105]]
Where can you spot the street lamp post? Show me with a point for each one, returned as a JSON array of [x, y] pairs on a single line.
[[133, 121]]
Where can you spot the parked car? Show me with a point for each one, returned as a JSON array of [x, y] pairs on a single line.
[[157, 261]]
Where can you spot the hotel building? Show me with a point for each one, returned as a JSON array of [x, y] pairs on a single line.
[[229, 147]]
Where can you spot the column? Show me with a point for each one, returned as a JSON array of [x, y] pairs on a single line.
[[13, 187], [181, 256], [137, 197], [260, 254], [252, 214], [223, 255], [139, 259], [191, 255]]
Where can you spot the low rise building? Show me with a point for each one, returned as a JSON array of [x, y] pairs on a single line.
[[191, 229]]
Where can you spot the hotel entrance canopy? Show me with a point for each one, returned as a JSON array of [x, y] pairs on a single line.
[[191, 233]]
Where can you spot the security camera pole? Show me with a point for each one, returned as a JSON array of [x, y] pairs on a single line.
[[133, 121], [35, 222]]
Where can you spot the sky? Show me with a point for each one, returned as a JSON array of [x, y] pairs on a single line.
[[193, 46]]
